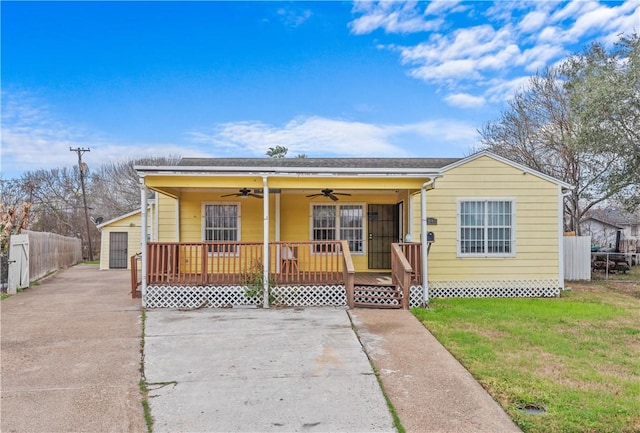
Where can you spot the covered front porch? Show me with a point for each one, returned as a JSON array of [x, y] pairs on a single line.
[[285, 232], [310, 273]]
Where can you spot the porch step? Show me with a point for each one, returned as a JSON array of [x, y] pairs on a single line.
[[377, 297], [381, 306]]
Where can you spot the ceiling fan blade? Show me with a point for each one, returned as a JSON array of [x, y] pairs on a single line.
[[332, 197], [255, 195], [230, 195], [341, 193], [314, 195]]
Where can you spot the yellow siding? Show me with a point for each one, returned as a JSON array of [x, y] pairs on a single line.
[[536, 223], [166, 219], [251, 220], [295, 220], [295, 217]]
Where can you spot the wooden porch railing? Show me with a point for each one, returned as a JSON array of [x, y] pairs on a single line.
[[413, 253], [233, 263], [401, 272], [136, 275]]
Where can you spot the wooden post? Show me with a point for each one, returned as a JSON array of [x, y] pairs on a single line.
[[349, 274]]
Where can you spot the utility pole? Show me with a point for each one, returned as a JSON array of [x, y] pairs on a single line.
[[80, 151]]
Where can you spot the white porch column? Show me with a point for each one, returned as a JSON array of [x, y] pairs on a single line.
[[423, 239], [265, 254], [277, 229], [143, 239]]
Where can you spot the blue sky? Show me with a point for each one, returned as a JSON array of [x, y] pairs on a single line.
[[231, 79]]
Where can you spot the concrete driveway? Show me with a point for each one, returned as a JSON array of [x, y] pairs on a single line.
[[71, 355], [250, 370]]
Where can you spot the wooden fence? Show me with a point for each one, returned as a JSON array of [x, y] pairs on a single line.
[[49, 252], [577, 257]]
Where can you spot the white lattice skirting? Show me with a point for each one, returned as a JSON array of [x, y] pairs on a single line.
[[309, 296], [190, 297], [487, 289]]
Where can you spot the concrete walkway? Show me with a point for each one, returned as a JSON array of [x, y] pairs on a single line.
[[70, 350], [256, 370], [430, 390]]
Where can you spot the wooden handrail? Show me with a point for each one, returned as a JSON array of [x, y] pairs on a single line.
[[349, 274], [401, 272], [135, 277], [413, 253]]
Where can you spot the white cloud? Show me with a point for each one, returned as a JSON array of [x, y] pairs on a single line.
[[440, 7], [392, 17], [33, 139], [465, 100], [532, 21], [573, 9], [540, 56], [292, 17], [309, 135], [591, 21], [462, 55], [626, 21], [318, 136], [501, 90], [490, 59], [461, 69]]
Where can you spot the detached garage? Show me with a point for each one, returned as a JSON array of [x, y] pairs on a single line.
[[120, 239]]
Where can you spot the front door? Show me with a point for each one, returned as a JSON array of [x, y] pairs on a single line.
[[383, 225], [118, 243]]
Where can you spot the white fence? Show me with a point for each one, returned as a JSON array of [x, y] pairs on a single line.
[[577, 257], [32, 255]]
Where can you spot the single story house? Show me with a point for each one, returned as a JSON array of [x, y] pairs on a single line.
[[349, 231]]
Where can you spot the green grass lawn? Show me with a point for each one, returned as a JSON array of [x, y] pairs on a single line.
[[577, 355]]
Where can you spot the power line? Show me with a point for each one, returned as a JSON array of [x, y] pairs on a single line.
[[82, 167]]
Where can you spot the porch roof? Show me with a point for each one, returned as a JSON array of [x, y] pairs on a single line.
[[423, 166], [355, 163]]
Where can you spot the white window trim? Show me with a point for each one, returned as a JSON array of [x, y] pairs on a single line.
[[364, 224], [460, 254], [238, 223]]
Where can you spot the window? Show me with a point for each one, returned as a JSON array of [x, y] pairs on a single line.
[[486, 228], [221, 224], [339, 222]]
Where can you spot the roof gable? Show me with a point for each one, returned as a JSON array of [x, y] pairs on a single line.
[[506, 161], [120, 218]]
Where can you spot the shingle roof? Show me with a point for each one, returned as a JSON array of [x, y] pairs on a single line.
[[357, 163]]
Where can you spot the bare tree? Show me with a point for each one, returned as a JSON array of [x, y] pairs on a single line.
[[115, 187], [551, 127]]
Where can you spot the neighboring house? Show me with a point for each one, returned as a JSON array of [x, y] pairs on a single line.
[[603, 234], [604, 224], [339, 231], [120, 238]]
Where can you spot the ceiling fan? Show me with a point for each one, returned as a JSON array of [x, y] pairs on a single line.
[[243, 193], [328, 193]]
